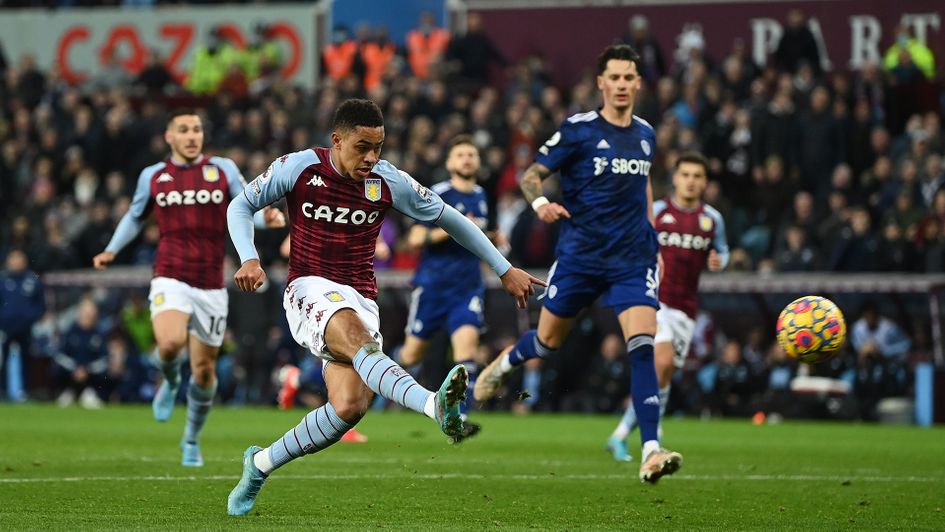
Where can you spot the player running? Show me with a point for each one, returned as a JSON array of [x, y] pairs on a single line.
[[691, 236], [189, 193], [607, 244], [448, 284], [337, 199]]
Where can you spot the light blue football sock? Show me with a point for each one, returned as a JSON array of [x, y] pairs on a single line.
[[531, 382], [199, 401], [387, 379], [664, 398], [628, 423], [318, 430]]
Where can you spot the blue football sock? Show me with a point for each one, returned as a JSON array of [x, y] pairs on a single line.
[[644, 387], [387, 379], [527, 348], [473, 371], [318, 430], [199, 401], [531, 382]]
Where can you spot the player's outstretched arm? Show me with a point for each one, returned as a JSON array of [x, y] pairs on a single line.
[[131, 223], [518, 283]]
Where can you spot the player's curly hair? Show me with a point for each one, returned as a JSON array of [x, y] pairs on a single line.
[[355, 112], [623, 52]]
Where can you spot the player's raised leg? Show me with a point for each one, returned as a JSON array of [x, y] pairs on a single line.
[[536, 343], [200, 393], [639, 327], [170, 335], [348, 400], [349, 341]]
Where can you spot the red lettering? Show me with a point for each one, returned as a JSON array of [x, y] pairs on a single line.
[[287, 33], [182, 35], [134, 62], [71, 35], [233, 34]]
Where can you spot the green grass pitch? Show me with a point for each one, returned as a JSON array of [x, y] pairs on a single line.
[[118, 469]]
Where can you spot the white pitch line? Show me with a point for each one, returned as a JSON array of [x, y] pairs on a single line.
[[466, 476]]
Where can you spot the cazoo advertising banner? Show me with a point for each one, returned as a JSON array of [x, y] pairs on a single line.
[[80, 40]]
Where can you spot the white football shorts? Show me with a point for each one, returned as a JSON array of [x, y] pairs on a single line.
[[207, 308], [674, 326], [309, 303]]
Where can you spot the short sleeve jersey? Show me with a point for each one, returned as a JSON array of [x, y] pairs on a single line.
[[686, 236], [336, 219], [189, 202], [604, 170]]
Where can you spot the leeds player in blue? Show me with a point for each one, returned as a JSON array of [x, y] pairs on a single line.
[[448, 284], [607, 246]]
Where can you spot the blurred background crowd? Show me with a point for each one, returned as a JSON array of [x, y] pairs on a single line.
[[812, 171]]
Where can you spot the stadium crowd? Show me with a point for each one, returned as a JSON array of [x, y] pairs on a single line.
[[812, 171]]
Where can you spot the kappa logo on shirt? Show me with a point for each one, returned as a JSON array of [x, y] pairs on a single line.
[[668, 219], [316, 181], [165, 178]]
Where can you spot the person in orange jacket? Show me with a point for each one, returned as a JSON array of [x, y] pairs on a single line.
[[426, 45]]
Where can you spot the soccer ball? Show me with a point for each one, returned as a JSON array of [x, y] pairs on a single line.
[[811, 329]]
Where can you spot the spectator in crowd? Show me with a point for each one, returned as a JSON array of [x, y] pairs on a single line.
[[22, 304], [896, 253], [377, 54], [797, 45], [856, 249], [212, 61], [642, 40], [472, 54], [81, 365], [819, 144], [340, 58], [796, 254], [733, 385], [873, 334], [426, 45], [154, 79], [881, 349], [908, 60]]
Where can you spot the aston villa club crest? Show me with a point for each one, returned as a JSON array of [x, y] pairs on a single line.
[[372, 189], [705, 223], [211, 174], [645, 146]]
